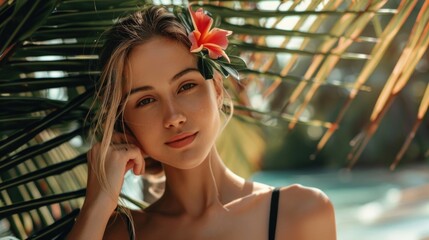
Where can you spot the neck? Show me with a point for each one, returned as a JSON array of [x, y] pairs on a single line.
[[193, 191]]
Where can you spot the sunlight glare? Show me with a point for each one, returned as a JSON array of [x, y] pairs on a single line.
[[76, 141], [370, 212], [314, 132], [57, 94], [45, 58]]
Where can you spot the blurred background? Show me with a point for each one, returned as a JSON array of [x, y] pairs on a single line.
[[335, 97]]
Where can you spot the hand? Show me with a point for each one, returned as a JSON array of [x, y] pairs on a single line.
[[122, 155]]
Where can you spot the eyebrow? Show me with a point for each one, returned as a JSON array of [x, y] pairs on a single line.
[[175, 77]]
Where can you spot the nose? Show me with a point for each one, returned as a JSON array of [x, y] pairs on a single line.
[[173, 117]]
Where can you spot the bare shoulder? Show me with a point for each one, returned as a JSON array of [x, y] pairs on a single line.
[[305, 213], [304, 200]]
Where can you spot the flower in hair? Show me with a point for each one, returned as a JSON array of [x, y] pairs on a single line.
[[203, 37], [209, 44]]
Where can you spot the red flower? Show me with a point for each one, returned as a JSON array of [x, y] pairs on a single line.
[[214, 40]]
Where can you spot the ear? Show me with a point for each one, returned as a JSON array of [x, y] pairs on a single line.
[[218, 84]]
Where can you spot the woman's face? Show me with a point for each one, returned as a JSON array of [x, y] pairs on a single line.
[[172, 110]]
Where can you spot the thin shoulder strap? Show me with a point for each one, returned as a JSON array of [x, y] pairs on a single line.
[[130, 229], [273, 213], [129, 226]]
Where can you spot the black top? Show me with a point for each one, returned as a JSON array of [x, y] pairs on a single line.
[[274, 206], [271, 225]]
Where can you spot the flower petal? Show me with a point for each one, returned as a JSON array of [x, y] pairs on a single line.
[[217, 36], [201, 21], [197, 49], [194, 37], [203, 37], [215, 51]]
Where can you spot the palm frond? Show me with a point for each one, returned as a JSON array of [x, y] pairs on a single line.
[[293, 50]]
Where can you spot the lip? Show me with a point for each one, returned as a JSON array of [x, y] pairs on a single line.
[[181, 140]]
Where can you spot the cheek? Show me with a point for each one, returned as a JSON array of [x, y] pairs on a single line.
[[209, 117], [208, 98], [204, 109], [141, 126]]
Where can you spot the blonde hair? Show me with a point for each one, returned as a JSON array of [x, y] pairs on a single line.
[[119, 41], [129, 32], [136, 29]]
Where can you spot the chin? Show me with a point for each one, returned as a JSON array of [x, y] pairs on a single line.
[[185, 160], [187, 164]]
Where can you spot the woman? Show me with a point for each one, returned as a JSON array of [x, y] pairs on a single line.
[[157, 101]]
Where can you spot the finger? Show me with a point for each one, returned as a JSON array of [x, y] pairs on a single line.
[[135, 165], [137, 156], [132, 156], [143, 167], [130, 165], [117, 138]]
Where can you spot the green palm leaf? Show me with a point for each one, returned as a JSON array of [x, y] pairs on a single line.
[[293, 50]]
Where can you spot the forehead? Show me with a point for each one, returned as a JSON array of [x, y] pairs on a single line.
[[159, 59]]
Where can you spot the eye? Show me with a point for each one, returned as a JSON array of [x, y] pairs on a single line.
[[144, 102], [187, 86]]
